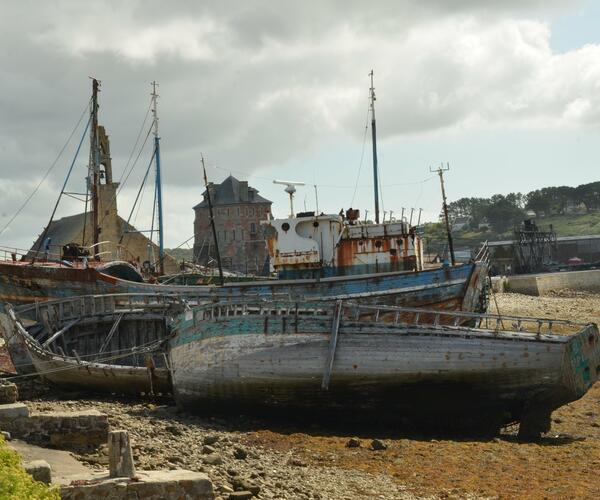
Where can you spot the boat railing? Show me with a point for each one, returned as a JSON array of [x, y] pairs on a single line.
[[442, 318], [92, 305], [66, 309], [352, 311], [483, 254], [13, 254]]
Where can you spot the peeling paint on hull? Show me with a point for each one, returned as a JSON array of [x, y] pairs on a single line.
[[26, 284], [426, 375]]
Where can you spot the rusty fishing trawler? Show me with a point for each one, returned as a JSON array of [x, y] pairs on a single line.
[[316, 256]]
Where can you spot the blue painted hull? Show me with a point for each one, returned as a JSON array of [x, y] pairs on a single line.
[[447, 287]]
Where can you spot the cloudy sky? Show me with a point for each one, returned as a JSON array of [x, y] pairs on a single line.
[[507, 92]]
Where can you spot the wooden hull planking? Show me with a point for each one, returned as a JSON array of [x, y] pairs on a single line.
[[105, 344], [431, 375]]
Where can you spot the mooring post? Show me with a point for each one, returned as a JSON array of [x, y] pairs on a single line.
[[120, 456]]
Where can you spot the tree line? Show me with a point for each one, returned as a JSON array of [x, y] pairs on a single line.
[[504, 211]]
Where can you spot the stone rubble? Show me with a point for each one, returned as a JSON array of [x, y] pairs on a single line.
[[163, 437], [40, 470], [8, 392]]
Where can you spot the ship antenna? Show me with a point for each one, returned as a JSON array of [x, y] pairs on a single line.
[[374, 141], [290, 188]]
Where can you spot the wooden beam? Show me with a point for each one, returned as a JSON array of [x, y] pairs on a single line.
[[112, 331], [332, 345], [60, 332]]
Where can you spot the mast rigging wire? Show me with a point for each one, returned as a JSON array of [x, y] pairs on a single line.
[[122, 185], [362, 154], [137, 197], [136, 142], [43, 236], [53, 164]]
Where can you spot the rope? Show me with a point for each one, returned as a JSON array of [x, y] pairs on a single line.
[[136, 142], [135, 350], [122, 185], [138, 195], [137, 212], [64, 186], [334, 186], [136, 159], [67, 368], [117, 352], [362, 154], [54, 163], [179, 246]]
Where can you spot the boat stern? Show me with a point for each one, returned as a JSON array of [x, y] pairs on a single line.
[[581, 365]]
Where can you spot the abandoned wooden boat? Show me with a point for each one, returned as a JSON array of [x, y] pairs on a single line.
[[356, 359], [111, 343]]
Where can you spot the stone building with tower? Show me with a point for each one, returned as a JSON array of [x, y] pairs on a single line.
[[134, 246], [238, 210]]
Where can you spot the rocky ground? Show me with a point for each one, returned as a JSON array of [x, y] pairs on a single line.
[[296, 460]]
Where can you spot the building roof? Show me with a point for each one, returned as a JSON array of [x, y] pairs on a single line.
[[231, 191], [67, 230]]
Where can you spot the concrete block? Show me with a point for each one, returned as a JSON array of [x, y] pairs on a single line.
[[76, 430], [120, 456], [40, 470], [149, 485], [13, 411]]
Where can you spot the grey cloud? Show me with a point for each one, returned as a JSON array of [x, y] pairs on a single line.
[[310, 58]]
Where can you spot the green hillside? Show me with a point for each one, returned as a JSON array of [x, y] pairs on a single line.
[[564, 225]]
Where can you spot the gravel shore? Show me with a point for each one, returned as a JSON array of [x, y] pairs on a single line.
[[286, 460]]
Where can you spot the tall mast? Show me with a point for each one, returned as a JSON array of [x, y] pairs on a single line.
[[161, 246], [374, 142], [212, 222], [94, 167]]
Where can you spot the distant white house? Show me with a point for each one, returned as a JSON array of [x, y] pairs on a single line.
[[573, 207], [484, 224], [460, 223]]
